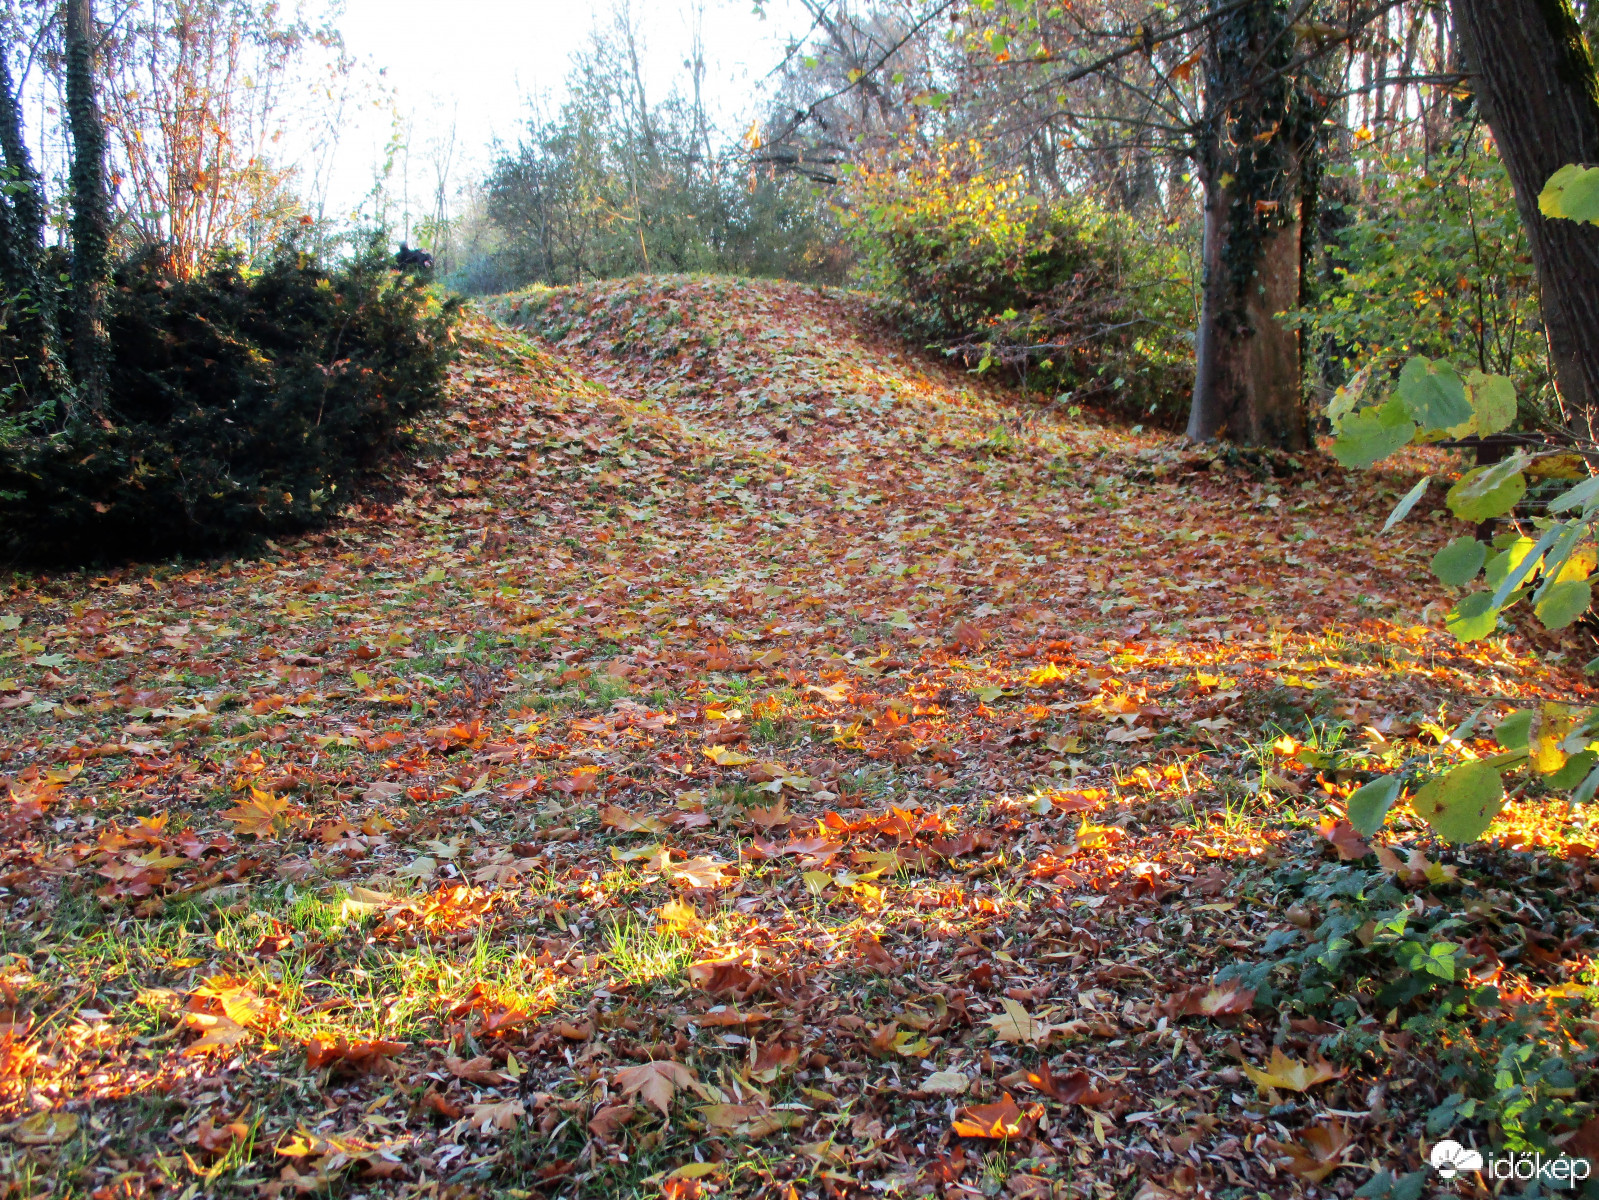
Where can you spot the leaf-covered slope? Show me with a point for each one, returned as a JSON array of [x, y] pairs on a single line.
[[897, 788]]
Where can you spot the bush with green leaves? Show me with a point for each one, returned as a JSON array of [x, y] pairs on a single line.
[[1545, 558], [1426, 256], [242, 404], [1064, 294]]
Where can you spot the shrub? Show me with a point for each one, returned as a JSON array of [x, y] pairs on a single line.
[[1427, 257], [241, 405], [1063, 294]]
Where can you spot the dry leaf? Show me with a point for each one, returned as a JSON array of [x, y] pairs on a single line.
[[1284, 1072], [998, 1121], [655, 1082], [1015, 1024]]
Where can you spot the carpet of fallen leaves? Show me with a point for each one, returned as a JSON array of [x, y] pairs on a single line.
[[741, 756]]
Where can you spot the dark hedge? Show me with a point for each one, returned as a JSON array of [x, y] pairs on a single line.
[[242, 405]]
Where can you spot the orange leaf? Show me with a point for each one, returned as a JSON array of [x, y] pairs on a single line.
[[998, 1121]]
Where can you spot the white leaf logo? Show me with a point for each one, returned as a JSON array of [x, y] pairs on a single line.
[[1451, 1158]]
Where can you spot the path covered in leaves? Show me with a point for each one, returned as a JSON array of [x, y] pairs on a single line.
[[743, 757]]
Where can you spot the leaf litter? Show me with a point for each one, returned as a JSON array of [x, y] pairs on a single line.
[[738, 756]]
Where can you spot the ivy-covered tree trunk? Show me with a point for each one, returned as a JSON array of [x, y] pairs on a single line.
[[1535, 82], [31, 302], [1256, 135], [91, 210]]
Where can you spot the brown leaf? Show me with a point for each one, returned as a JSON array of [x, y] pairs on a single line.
[[721, 975], [998, 1121], [1341, 834], [655, 1082], [607, 1121], [772, 1060], [370, 1055], [479, 1070], [1316, 1153], [219, 1033], [1074, 1087], [1210, 1000], [876, 956]]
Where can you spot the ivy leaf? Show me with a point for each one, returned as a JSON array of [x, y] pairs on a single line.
[[1473, 618], [1433, 394], [1373, 434], [1488, 492], [1564, 602], [1368, 806], [1457, 563], [1402, 509], [1462, 804], [1572, 193]]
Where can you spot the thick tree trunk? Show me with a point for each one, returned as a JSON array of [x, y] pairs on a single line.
[[1535, 83], [1247, 381], [32, 301], [1258, 131], [91, 210]]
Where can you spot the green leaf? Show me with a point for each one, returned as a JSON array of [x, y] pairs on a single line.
[[1493, 402], [1433, 394], [1473, 618], [1564, 602], [1578, 767], [1457, 563], [1402, 509], [1587, 787], [1462, 804], [1572, 193], [1373, 434], [1515, 730], [1368, 806], [1580, 496], [1489, 491], [1517, 564]]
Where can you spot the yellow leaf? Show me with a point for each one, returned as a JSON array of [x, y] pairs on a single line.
[[723, 757], [679, 917], [817, 881], [1015, 1024], [1290, 1075], [45, 1129], [220, 1033], [259, 814]]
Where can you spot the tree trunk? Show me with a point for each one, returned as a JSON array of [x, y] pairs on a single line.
[[1535, 83], [1247, 378], [32, 301], [1258, 131], [91, 210]]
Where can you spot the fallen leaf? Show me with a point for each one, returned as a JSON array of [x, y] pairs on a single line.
[[44, 1129], [1001, 1120], [1316, 1153], [655, 1082], [1290, 1075], [1015, 1024], [946, 1083]]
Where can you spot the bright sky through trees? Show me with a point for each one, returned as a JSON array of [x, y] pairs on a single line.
[[474, 64]]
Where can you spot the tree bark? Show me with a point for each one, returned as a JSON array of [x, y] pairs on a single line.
[[1535, 83], [1247, 377], [91, 211], [32, 301], [1247, 384]]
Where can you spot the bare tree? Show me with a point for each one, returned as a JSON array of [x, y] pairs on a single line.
[[197, 101]]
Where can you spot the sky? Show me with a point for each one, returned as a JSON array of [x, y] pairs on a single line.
[[471, 65]]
